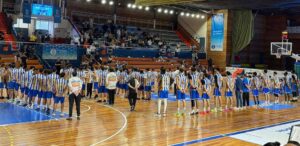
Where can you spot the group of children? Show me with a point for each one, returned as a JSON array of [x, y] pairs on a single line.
[[25, 85]]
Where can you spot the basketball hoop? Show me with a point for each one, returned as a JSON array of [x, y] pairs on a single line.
[[278, 55]]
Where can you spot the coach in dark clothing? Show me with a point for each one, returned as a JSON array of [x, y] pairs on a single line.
[[239, 91], [133, 85]]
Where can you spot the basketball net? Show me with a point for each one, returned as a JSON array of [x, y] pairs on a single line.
[[278, 55]]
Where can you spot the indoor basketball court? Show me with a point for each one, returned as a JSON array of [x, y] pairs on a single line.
[[149, 73]]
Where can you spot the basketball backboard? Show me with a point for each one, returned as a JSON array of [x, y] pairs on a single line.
[[281, 48]]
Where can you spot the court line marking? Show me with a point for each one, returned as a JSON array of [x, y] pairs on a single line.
[[51, 119], [10, 136], [119, 131], [231, 134]]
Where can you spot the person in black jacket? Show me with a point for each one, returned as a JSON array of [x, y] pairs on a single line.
[[133, 85], [238, 92]]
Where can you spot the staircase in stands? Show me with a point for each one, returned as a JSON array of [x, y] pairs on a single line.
[[8, 38]]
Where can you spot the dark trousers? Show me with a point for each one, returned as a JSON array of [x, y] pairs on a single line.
[[175, 89], [111, 96], [245, 98], [89, 88], [77, 99], [239, 99], [132, 98]]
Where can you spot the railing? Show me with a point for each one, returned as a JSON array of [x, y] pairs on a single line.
[[101, 18]]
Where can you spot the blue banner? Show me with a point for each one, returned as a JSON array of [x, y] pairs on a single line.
[[217, 32], [57, 14], [26, 13], [65, 52]]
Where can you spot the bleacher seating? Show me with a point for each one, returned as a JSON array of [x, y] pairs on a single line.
[[9, 59]]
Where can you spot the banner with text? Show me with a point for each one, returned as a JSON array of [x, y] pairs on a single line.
[[217, 32], [57, 14], [26, 13], [65, 52]]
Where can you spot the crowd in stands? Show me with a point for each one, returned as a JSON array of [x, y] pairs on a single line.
[[1, 36]]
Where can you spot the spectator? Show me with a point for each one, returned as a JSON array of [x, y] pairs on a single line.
[[33, 37], [24, 60]]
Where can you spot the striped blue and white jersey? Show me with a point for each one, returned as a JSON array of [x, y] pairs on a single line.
[[148, 78], [33, 83], [52, 78], [182, 81], [61, 85], [165, 82], [123, 78], [27, 77], [207, 85], [195, 80]]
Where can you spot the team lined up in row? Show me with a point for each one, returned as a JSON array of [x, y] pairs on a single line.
[[46, 84]]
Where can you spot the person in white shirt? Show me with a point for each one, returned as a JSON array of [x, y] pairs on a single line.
[[75, 85], [111, 85]]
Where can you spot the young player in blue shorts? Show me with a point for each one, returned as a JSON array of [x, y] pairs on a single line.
[[140, 78], [218, 80], [255, 89], [33, 87], [18, 79], [287, 88], [266, 84], [61, 86], [182, 86], [295, 88], [194, 81], [42, 77], [276, 87], [206, 87], [246, 89], [101, 85], [163, 91], [147, 84], [229, 87]]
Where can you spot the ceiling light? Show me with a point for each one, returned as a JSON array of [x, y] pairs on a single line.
[[111, 2], [193, 15], [133, 6], [103, 2], [182, 13], [159, 10], [187, 14], [202, 17], [171, 11], [140, 7], [147, 8], [166, 11], [129, 5], [197, 16], [88, 0]]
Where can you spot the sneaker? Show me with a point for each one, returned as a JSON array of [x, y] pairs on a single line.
[[178, 114], [203, 113], [158, 115], [220, 109], [61, 115], [69, 119], [78, 118], [164, 114], [214, 110], [99, 101], [192, 113]]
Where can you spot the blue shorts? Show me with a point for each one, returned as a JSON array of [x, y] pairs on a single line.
[[16, 86], [147, 88], [22, 90], [118, 85], [194, 94], [124, 86], [217, 92], [32, 93], [163, 94], [276, 91], [95, 85], [83, 86], [228, 94], [59, 99], [41, 94], [141, 88], [10, 85], [287, 90], [1, 85], [205, 96], [294, 87], [26, 90], [48, 94], [266, 90], [102, 89], [180, 95], [255, 92]]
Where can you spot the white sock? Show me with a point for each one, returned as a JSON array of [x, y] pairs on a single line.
[[165, 105], [159, 106]]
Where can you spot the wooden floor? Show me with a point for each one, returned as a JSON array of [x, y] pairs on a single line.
[[116, 126]]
